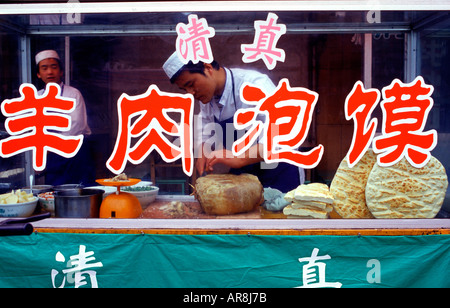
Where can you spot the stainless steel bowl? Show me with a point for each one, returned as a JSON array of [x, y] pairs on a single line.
[[78, 203], [38, 189], [65, 187]]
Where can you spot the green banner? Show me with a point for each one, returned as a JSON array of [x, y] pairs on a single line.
[[223, 261]]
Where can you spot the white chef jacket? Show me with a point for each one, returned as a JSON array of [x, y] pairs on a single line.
[[223, 108], [79, 117]]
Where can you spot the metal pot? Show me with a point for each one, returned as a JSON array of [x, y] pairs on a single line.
[[83, 203], [65, 187]]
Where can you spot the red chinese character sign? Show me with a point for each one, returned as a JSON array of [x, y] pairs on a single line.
[[193, 40], [288, 115], [268, 32], [145, 117], [34, 122], [359, 106], [405, 110]]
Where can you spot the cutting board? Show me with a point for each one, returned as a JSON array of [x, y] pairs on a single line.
[[189, 210]]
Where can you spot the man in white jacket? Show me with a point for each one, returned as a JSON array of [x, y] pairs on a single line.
[[62, 170], [218, 90]]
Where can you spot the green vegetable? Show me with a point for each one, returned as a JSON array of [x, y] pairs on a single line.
[[137, 188]]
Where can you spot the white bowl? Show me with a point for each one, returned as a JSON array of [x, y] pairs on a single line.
[[108, 189], [145, 197], [143, 183], [24, 209], [47, 201]]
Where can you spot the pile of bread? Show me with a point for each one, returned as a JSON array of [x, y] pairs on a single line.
[[309, 201], [370, 191]]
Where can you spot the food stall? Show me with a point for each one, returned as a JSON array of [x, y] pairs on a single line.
[[147, 218]]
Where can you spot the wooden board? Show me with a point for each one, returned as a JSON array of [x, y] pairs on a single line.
[[189, 210]]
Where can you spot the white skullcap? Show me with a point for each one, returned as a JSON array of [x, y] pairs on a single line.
[[172, 65], [46, 54]]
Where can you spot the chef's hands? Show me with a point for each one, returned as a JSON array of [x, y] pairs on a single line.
[[226, 157], [206, 164]]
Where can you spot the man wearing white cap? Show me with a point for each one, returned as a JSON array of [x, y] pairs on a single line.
[[50, 70], [218, 90], [61, 170]]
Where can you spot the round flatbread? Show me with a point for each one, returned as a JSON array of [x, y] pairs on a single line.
[[403, 191], [348, 187]]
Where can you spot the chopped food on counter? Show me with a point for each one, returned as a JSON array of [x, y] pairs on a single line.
[[174, 208], [138, 188], [189, 209]]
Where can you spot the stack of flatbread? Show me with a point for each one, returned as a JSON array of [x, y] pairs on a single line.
[[309, 201], [400, 191]]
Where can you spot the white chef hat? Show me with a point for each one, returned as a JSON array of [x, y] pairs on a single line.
[[173, 65], [46, 54]]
